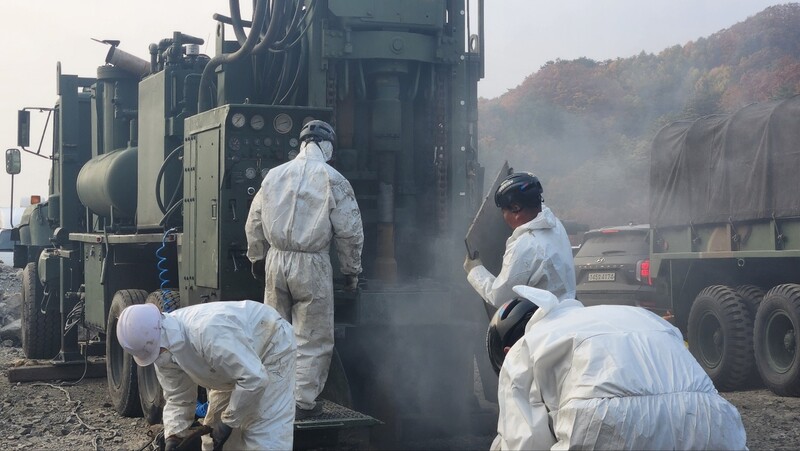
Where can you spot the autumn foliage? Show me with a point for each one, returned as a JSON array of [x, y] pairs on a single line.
[[584, 126]]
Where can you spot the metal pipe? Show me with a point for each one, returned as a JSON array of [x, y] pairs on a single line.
[[127, 62]]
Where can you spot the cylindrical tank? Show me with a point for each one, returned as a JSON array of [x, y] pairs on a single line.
[[108, 182]]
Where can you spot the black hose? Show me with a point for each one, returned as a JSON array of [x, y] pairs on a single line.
[[203, 100], [160, 175]]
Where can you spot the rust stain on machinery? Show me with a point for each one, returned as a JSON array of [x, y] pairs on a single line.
[[195, 135]]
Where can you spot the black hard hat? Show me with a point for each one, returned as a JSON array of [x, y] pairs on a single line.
[[317, 131], [507, 326], [522, 188]]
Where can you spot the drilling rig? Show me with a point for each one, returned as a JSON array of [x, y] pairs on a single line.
[[156, 159]]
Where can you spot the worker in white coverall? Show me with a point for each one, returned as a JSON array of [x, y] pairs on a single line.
[[243, 352], [538, 253], [303, 205], [602, 377]]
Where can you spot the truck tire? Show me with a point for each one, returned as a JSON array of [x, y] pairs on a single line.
[[40, 331], [121, 370], [752, 296], [721, 337], [777, 331], [151, 396]]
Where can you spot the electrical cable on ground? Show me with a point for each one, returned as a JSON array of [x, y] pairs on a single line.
[[74, 412]]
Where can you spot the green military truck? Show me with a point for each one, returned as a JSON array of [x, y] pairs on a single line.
[[725, 248], [155, 162]]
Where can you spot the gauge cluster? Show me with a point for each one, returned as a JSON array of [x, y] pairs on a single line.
[[258, 138]]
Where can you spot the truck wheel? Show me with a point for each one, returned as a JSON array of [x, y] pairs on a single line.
[[151, 396], [40, 331], [752, 296], [776, 339], [120, 367], [721, 336]]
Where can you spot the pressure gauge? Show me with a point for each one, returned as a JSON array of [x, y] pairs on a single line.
[[307, 119], [283, 123], [250, 173], [257, 122], [293, 142], [238, 120], [234, 143], [264, 172]]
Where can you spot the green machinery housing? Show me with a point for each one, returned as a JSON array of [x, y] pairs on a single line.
[[157, 159], [725, 246]]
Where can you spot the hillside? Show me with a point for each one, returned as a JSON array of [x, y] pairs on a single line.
[[584, 126]]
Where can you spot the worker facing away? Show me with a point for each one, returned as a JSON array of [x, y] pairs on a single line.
[[303, 205], [243, 352], [602, 377], [538, 253]]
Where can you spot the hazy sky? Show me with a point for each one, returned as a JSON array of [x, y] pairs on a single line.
[[520, 35]]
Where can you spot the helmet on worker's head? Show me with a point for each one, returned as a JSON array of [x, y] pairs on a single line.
[[506, 328], [522, 189], [317, 131], [139, 332]]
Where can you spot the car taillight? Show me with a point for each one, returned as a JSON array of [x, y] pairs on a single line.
[[643, 272]]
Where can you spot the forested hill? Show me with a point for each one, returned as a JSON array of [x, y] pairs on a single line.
[[584, 127]]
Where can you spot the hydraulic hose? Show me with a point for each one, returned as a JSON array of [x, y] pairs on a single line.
[[204, 97]]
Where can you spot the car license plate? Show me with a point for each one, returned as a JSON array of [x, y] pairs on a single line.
[[602, 277]]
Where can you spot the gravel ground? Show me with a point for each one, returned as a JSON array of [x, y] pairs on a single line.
[[44, 416]]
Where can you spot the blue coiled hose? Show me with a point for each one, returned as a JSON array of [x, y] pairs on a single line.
[[162, 269]]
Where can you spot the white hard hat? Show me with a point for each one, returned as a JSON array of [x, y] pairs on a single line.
[[139, 332]]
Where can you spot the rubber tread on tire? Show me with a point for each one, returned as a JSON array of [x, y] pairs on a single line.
[[719, 316], [779, 313], [40, 331], [151, 396], [752, 296], [121, 370]]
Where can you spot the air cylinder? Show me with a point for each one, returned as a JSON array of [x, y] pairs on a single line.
[[107, 184]]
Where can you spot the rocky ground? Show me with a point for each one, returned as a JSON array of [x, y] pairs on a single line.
[[69, 415]]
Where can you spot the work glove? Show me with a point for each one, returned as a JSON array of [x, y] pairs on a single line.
[[470, 263], [258, 270], [189, 440], [172, 443], [351, 282], [219, 434]]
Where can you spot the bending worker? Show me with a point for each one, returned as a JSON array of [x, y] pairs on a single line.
[[602, 377], [302, 205], [538, 253], [243, 352]]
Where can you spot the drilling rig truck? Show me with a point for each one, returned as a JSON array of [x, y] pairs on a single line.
[[155, 162]]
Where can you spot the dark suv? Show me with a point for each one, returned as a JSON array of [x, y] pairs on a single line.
[[612, 266]]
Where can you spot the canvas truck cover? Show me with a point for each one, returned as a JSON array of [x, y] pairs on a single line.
[[733, 167]]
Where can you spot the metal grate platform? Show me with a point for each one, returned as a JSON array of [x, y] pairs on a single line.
[[335, 416]]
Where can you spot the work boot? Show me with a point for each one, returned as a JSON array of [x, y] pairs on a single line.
[[302, 414]]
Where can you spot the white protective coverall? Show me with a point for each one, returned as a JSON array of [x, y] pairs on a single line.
[[301, 206], [244, 353], [538, 254], [607, 377]]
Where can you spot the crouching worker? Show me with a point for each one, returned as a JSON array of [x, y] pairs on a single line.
[[243, 352], [603, 377]]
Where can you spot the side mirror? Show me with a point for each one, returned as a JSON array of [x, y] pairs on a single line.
[[13, 162], [23, 128]]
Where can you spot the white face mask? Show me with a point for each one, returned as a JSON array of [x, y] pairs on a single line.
[[164, 358], [327, 149]]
